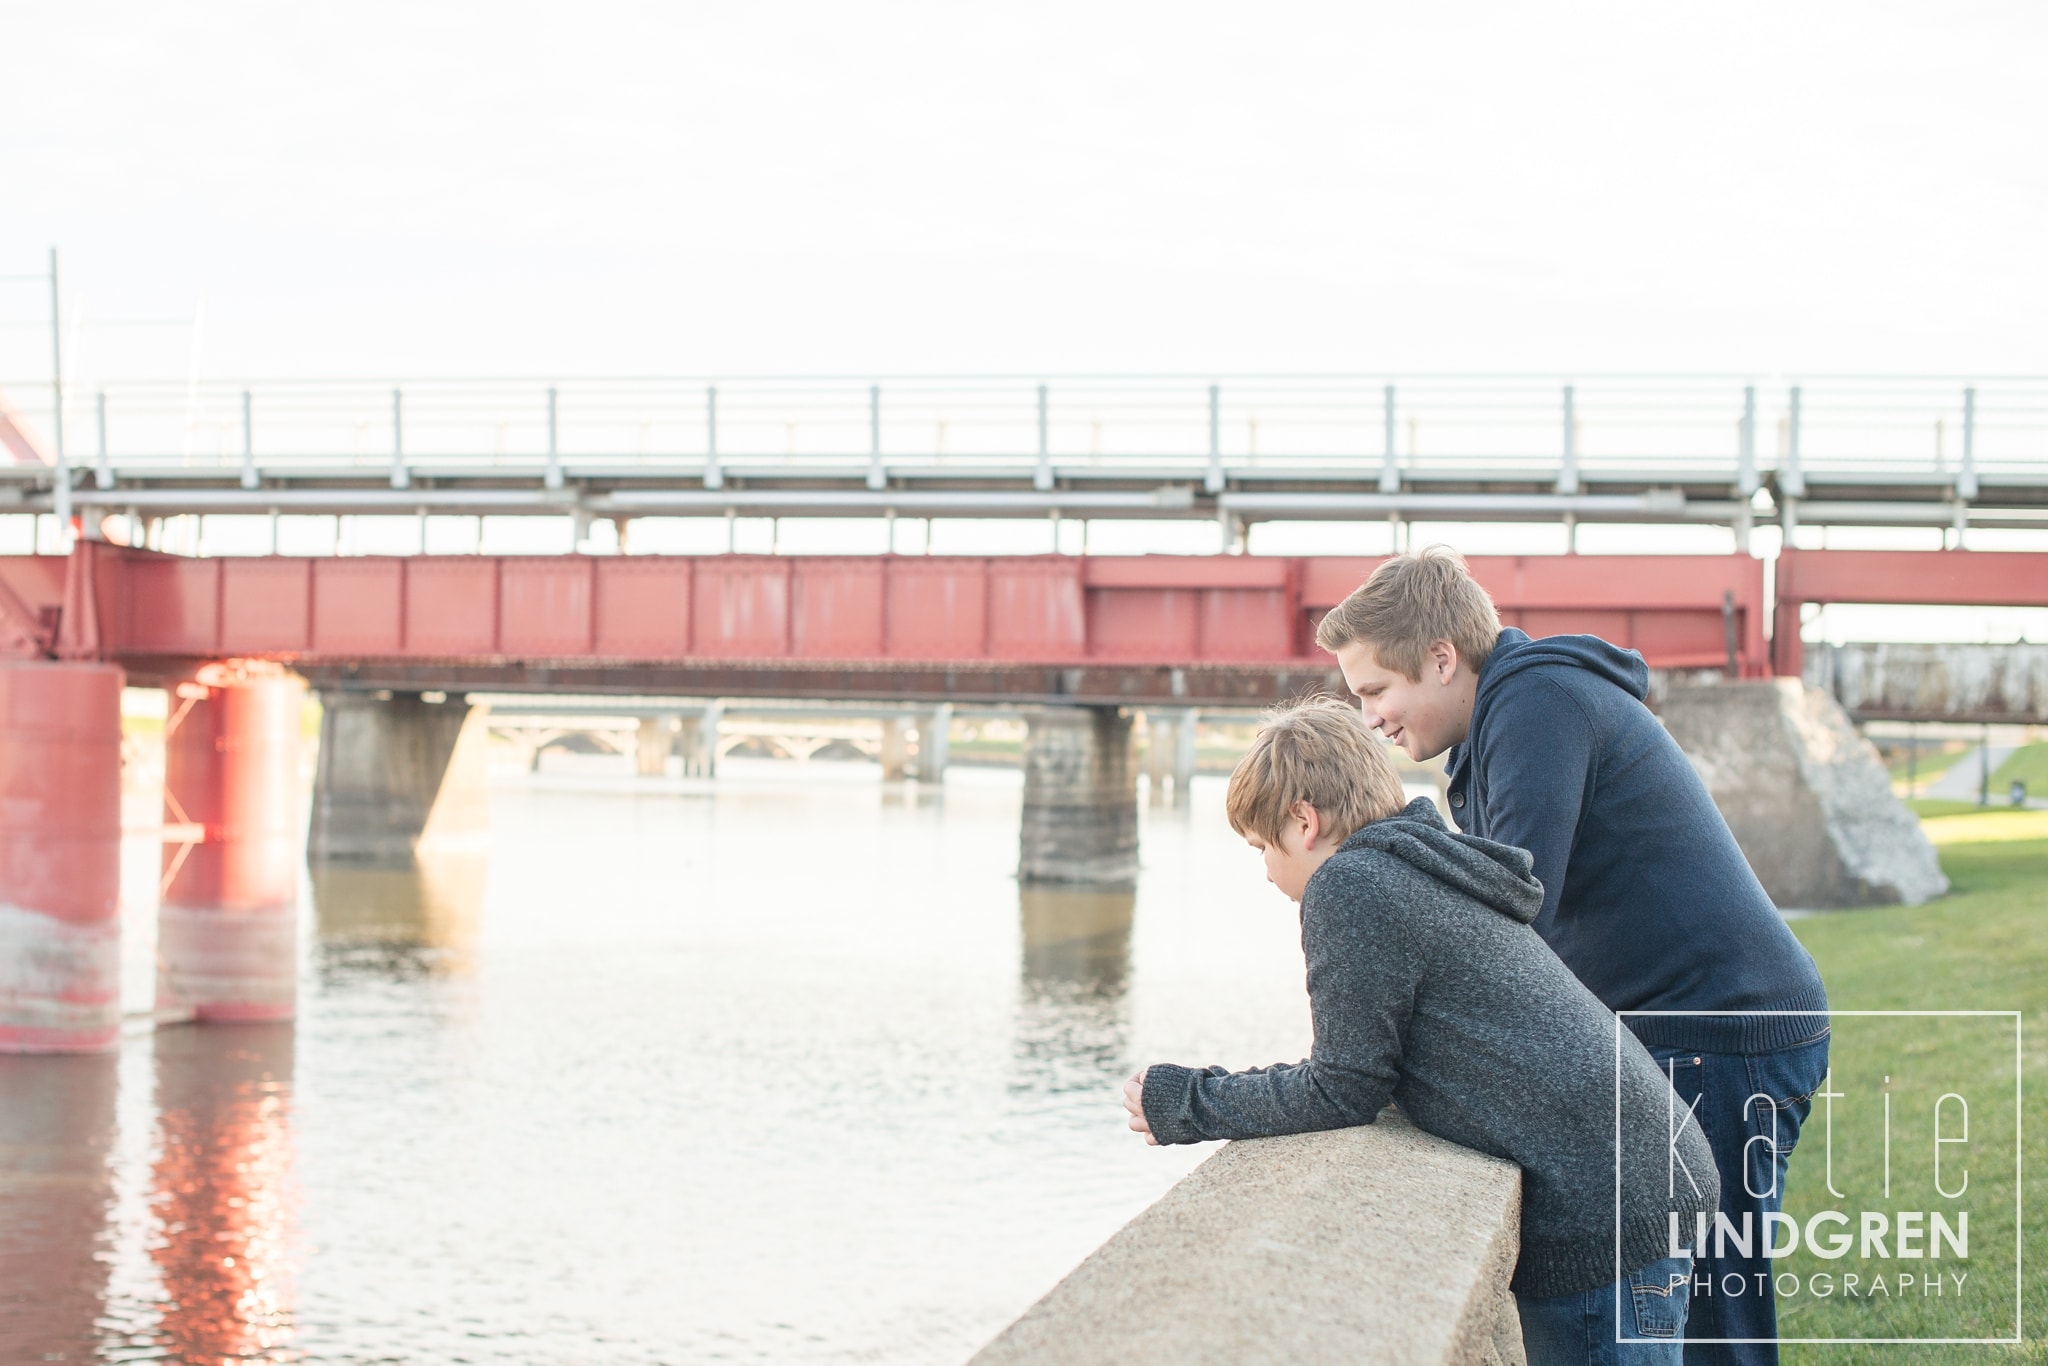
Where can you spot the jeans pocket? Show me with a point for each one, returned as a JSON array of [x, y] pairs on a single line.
[[1791, 1075], [1660, 1294], [1781, 1090]]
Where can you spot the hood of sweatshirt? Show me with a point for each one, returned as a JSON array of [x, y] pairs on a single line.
[[1495, 875], [1514, 652]]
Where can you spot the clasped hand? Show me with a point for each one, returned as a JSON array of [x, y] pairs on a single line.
[[1134, 1102]]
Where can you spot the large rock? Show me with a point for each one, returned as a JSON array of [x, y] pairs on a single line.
[[1806, 795]]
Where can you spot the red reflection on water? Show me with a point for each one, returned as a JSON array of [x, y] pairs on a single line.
[[222, 1193]]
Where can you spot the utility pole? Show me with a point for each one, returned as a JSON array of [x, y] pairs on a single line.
[[1984, 766], [60, 498]]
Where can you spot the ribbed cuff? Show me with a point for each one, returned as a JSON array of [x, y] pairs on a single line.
[[1552, 1267], [1168, 1100], [1800, 1020]]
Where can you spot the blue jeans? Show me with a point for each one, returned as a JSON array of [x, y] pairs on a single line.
[[1639, 1326], [1751, 1106]]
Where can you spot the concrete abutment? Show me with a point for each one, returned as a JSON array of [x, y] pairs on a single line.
[[1807, 797]]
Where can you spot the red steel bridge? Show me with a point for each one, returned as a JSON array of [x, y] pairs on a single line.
[[1189, 629]]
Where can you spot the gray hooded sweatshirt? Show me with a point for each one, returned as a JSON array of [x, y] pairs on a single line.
[[1428, 987]]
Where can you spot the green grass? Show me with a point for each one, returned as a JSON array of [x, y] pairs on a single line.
[[1983, 947], [1930, 763], [1927, 807], [2028, 764]]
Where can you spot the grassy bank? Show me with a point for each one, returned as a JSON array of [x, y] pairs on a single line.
[[2027, 764], [1983, 947]]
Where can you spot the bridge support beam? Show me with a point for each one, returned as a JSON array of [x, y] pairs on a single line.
[[697, 741], [934, 743], [655, 740], [60, 857], [895, 753], [1169, 754], [398, 773], [1080, 822], [227, 930]]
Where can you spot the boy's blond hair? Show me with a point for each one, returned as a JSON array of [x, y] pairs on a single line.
[[1317, 750], [1410, 603]]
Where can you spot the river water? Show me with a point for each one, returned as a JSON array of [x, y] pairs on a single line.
[[784, 1067]]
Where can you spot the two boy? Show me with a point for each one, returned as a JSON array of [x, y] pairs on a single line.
[[1641, 889], [1646, 896], [1427, 987]]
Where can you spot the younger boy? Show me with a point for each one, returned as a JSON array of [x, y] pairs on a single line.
[[1427, 987]]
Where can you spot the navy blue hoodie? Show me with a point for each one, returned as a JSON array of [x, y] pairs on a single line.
[[1646, 896]]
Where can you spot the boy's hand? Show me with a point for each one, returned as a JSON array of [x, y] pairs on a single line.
[[1134, 1102]]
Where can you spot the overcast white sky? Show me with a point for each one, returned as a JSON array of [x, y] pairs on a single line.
[[431, 189]]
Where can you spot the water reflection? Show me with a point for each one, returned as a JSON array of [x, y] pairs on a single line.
[[1073, 1021], [56, 1183], [913, 796], [399, 922], [700, 1093], [222, 1192]]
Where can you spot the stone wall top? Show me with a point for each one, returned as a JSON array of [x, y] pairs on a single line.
[[1374, 1244]]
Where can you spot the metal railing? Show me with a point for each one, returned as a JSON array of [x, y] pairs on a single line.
[[1397, 431]]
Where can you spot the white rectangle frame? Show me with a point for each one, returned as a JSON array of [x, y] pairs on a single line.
[[2018, 1168]]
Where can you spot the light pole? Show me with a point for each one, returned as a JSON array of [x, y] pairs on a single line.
[[60, 498]]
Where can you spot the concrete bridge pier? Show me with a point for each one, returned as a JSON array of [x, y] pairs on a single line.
[[227, 930], [934, 743], [895, 752], [397, 773], [60, 857], [697, 741], [656, 740], [1169, 754], [1080, 823]]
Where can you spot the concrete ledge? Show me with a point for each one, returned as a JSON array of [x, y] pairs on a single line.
[[1375, 1244]]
